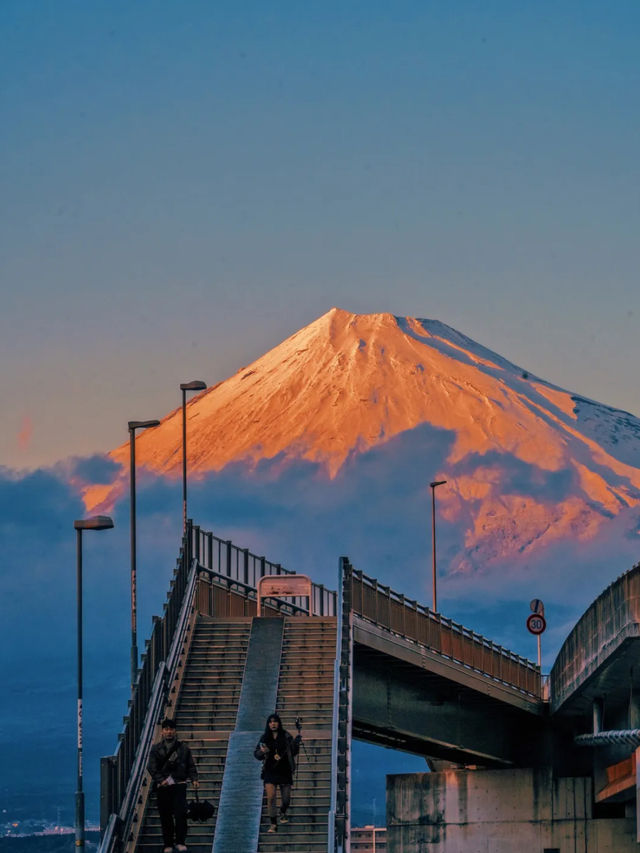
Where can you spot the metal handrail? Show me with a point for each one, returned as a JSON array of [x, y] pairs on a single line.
[[111, 834], [116, 769], [627, 737], [183, 620], [339, 824], [225, 559], [417, 623], [118, 824], [164, 677], [250, 592]]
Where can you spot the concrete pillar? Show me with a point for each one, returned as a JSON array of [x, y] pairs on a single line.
[[598, 713], [638, 794], [499, 811], [634, 706]]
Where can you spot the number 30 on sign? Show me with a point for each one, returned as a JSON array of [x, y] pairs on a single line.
[[536, 623]]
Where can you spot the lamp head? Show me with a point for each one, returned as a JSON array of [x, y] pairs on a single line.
[[142, 424], [195, 385], [437, 483], [96, 522]]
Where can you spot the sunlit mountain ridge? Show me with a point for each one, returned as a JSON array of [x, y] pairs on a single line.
[[527, 463]]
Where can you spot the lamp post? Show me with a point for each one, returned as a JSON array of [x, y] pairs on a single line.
[[133, 426], [195, 385], [97, 522], [434, 485]]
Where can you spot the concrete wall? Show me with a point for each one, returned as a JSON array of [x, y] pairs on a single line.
[[499, 811]]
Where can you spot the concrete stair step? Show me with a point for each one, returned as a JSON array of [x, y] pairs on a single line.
[[212, 675], [196, 710], [227, 668], [208, 702], [204, 691], [306, 689], [208, 697], [214, 681]]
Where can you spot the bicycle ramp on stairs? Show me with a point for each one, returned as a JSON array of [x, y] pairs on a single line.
[[241, 795]]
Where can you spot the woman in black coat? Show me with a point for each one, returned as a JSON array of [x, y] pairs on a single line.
[[277, 750]]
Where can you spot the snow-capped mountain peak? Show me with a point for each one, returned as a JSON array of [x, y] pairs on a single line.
[[527, 462]]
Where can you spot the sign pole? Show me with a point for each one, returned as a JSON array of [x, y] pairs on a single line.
[[536, 624], [540, 651]]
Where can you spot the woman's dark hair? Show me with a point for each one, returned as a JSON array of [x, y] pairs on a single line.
[[268, 734]]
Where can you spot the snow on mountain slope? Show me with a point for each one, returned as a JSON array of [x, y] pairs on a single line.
[[528, 464]]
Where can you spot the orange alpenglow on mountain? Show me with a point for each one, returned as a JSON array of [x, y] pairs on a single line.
[[350, 382]]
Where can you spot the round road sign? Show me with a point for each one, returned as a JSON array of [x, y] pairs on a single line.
[[536, 623]]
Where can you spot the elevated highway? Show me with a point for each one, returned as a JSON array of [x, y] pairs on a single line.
[[595, 687]]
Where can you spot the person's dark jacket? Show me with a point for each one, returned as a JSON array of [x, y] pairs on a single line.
[[173, 760], [292, 746]]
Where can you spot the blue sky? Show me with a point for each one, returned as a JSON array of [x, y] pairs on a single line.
[[185, 184]]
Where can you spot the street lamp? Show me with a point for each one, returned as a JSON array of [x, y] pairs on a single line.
[[133, 426], [195, 385], [434, 485], [97, 522]]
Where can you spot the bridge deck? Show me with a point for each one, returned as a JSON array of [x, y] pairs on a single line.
[[408, 697], [373, 636]]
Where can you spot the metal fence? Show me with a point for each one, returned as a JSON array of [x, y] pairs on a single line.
[[406, 617], [340, 808], [241, 570], [115, 770], [238, 567]]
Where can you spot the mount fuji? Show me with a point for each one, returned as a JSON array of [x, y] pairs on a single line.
[[528, 464]]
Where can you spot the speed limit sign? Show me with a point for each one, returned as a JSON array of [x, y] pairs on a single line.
[[536, 623]]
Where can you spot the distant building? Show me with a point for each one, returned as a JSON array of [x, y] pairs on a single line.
[[369, 839]]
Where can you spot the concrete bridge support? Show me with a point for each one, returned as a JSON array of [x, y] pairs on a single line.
[[499, 811]]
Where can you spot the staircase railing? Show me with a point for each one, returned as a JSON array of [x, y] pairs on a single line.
[[405, 617], [340, 806], [238, 567], [118, 823], [118, 771]]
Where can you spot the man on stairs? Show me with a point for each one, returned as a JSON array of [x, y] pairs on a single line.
[[171, 766]]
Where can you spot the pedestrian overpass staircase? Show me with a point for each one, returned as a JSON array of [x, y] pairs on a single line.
[[206, 708], [220, 670]]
